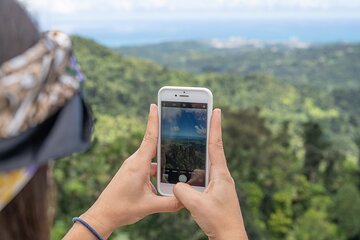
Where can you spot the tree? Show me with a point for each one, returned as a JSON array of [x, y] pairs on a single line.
[[281, 219], [346, 210], [314, 225], [314, 149]]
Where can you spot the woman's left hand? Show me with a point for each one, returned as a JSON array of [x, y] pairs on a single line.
[[130, 196]]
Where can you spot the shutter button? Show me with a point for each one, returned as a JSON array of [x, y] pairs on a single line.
[[182, 178]]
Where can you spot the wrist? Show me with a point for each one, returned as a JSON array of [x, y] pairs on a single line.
[[238, 234], [98, 222], [230, 236]]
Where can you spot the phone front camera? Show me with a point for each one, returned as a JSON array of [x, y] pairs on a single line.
[[175, 95]]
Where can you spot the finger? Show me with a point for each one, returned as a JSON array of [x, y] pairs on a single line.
[[153, 189], [188, 196], [197, 178], [153, 169], [216, 149], [165, 204], [147, 148]]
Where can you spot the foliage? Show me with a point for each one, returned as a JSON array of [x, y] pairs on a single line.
[[323, 65], [292, 147], [347, 209], [314, 225]]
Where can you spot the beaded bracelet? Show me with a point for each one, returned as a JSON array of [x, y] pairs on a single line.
[[85, 224]]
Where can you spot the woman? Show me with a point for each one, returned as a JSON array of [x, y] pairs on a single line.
[[42, 117], [217, 210], [25, 217]]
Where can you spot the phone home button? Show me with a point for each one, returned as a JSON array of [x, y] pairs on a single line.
[[182, 178]]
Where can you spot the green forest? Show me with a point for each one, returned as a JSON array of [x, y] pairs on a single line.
[[291, 128]]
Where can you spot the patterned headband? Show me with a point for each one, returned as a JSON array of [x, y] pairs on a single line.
[[34, 86], [37, 83]]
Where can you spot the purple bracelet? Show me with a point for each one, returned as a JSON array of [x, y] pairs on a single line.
[[85, 224]]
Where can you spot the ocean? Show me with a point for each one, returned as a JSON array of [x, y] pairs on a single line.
[[139, 32]]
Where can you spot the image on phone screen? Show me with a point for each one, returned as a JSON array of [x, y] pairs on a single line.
[[183, 142]]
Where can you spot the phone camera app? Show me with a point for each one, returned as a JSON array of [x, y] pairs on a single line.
[[183, 143]]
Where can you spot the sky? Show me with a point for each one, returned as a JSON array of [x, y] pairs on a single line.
[[121, 22], [183, 122]]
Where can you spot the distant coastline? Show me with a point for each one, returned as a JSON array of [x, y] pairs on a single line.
[[279, 30]]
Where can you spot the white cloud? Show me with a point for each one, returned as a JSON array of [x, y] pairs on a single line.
[[295, 4], [171, 114], [126, 6], [154, 3], [97, 18], [200, 130], [175, 129], [51, 13], [119, 6]]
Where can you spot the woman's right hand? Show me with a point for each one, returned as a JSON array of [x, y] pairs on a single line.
[[216, 210]]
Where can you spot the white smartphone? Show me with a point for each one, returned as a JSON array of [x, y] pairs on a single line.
[[184, 122]]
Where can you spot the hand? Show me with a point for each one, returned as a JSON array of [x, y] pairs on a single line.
[[130, 196], [217, 209]]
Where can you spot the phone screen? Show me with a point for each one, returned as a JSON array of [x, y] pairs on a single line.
[[183, 142]]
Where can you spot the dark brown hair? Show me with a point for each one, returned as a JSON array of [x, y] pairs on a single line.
[[17, 31], [25, 217]]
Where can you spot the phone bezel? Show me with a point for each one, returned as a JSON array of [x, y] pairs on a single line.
[[196, 95]]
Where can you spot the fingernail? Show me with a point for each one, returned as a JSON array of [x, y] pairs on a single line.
[[182, 184], [151, 106], [218, 110]]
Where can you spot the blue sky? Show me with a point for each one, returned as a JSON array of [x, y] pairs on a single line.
[[183, 122], [122, 22]]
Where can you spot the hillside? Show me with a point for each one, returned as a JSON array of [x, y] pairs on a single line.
[[119, 85], [323, 65], [126, 85], [292, 148], [123, 85]]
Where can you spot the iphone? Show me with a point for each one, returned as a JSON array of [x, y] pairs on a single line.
[[184, 122]]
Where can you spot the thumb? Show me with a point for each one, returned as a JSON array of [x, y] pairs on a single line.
[[188, 196], [165, 204], [147, 148]]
